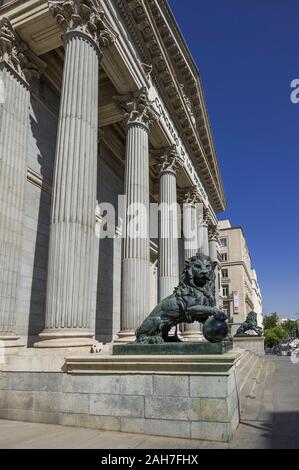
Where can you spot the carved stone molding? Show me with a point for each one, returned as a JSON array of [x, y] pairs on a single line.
[[84, 16], [147, 70], [138, 108], [16, 55], [188, 103], [167, 159]]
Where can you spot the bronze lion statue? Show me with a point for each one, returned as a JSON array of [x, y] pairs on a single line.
[[193, 300], [249, 324]]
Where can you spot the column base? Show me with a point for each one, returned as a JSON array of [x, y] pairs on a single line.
[[65, 339], [10, 343], [192, 335], [127, 336]]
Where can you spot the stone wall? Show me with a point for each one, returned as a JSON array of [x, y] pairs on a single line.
[[108, 290], [201, 406]]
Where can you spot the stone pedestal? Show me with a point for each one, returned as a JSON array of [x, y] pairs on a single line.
[[255, 344], [177, 396]]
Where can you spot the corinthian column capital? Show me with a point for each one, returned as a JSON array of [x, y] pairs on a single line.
[[84, 16], [15, 54], [167, 160], [213, 233], [138, 108], [206, 216], [190, 195]]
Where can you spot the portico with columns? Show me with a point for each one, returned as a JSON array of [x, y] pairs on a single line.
[[110, 112]]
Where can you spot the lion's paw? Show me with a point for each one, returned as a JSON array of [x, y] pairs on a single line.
[[220, 315]]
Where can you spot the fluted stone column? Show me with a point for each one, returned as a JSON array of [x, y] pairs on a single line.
[[69, 304], [190, 233], [15, 71], [191, 331], [168, 267], [140, 115], [213, 252], [204, 230]]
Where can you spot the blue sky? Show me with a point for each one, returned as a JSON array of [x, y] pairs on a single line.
[[247, 52]]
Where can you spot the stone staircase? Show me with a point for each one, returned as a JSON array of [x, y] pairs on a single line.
[[254, 372]]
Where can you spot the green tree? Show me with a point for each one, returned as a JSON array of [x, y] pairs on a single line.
[[270, 321], [290, 327], [274, 336]]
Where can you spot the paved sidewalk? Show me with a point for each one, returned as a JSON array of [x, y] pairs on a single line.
[[20, 435], [270, 419]]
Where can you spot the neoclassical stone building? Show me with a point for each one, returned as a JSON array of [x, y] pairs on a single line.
[[241, 292], [98, 99]]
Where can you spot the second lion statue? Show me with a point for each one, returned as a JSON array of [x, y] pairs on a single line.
[[193, 300]]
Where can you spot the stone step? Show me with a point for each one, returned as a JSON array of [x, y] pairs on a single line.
[[247, 372], [245, 360], [253, 399], [252, 377], [246, 366]]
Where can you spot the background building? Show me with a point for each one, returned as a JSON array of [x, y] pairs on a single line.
[[240, 289], [257, 298]]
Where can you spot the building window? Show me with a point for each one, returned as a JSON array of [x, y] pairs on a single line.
[[223, 242], [224, 272], [224, 257], [225, 291]]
